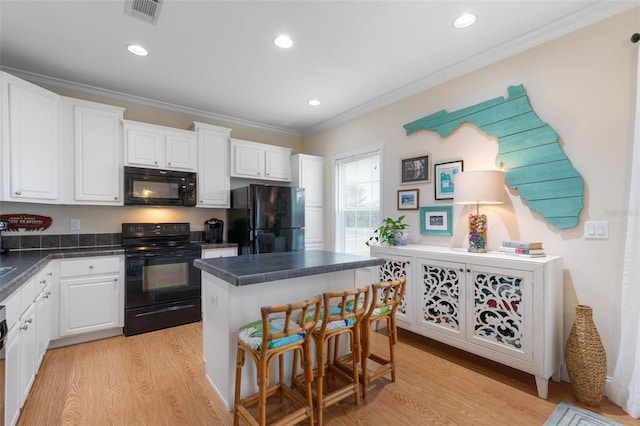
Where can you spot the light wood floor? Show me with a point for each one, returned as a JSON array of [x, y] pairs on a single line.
[[158, 379]]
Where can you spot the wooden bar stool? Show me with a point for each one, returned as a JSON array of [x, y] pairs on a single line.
[[271, 337], [336, 319], [385, 298]]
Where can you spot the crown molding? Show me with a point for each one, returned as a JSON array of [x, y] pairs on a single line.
[[588, 15], [110, 95]]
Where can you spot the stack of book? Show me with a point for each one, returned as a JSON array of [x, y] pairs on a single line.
[[522, 248]]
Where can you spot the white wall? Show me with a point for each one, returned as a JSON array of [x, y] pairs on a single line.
[[583, 86]]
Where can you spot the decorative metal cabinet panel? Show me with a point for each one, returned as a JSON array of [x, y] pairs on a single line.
[[441, 308], [393, 268], [499, 315], [504, 308]]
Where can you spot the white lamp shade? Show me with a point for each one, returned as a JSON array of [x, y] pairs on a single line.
[[479, 187]]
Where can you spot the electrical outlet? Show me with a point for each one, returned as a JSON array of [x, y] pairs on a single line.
[[75, 224]]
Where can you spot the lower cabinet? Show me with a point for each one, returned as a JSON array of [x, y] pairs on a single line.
[[21, 351], [506, 309], [91, 295]]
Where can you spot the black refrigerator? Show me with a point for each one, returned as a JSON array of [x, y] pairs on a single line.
[[266, 219]]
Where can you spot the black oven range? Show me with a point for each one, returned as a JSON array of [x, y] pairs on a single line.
[[162, 285]]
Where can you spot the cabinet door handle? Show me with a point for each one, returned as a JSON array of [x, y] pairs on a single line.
[[115, 198], [168, 164], [24, 327], [43, 282], [28, 321], [50, 273], [18, 193], [155, 162], [461, 270], [468, 270]]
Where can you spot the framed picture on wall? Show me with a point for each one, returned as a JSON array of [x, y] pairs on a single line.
[[408, 199], [415, 170], [436, 220], [444, 173]]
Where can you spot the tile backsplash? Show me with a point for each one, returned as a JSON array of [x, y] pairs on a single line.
[[53, 241]]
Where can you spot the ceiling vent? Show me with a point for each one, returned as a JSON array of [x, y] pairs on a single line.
[[146, 10]]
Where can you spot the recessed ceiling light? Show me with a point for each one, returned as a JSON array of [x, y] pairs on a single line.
[[138, 50], [283, 41], [465, 20], [314, 102]]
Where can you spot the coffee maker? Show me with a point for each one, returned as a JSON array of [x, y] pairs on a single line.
[[213, 229]]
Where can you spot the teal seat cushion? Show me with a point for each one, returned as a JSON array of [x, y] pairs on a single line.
[[251, 334], [333, 325], [376, 311]]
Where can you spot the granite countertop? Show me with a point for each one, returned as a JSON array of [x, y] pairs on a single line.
[[261, 268], [27, 263]]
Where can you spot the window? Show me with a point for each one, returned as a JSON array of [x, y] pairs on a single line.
[[358, 200]]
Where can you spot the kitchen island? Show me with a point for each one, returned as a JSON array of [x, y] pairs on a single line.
[[234, 289]]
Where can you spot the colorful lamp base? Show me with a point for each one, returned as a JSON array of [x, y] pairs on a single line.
[[477, 233]]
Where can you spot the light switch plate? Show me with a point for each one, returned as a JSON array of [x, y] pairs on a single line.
[[75, 224], [596, 229]]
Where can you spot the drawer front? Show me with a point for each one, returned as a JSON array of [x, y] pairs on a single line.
[[223, 252], [29, 292], [13, 308], [89, 266]]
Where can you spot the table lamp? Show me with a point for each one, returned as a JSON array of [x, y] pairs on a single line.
[[478, 187]]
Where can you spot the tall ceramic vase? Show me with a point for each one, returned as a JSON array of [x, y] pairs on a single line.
[[586, 359]]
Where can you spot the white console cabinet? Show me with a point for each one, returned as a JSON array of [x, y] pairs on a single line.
[[504, 308]]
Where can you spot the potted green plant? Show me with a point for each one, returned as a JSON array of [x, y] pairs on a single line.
[[390, 232]]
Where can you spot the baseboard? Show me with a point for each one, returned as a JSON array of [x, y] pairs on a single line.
[[86, 337], [564, 376]]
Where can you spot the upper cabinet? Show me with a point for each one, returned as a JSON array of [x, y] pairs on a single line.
[[159, 147], [30, 142], [213, 171], [91, 153], [260, 161]]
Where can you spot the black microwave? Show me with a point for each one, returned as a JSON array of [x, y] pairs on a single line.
[[154, 187]]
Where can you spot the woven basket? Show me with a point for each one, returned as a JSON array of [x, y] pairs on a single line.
[[586, 359]]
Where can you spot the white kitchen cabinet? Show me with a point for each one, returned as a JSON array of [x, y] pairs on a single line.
[[30, 142], [210, 253], [213, 169], [260, 161], [307, 171], [92, 153], [159, 147], [507, 309], [21, 349], [45, 284], [13, 373], [91, 294]]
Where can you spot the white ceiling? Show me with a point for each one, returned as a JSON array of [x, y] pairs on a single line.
[[216, 58]]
